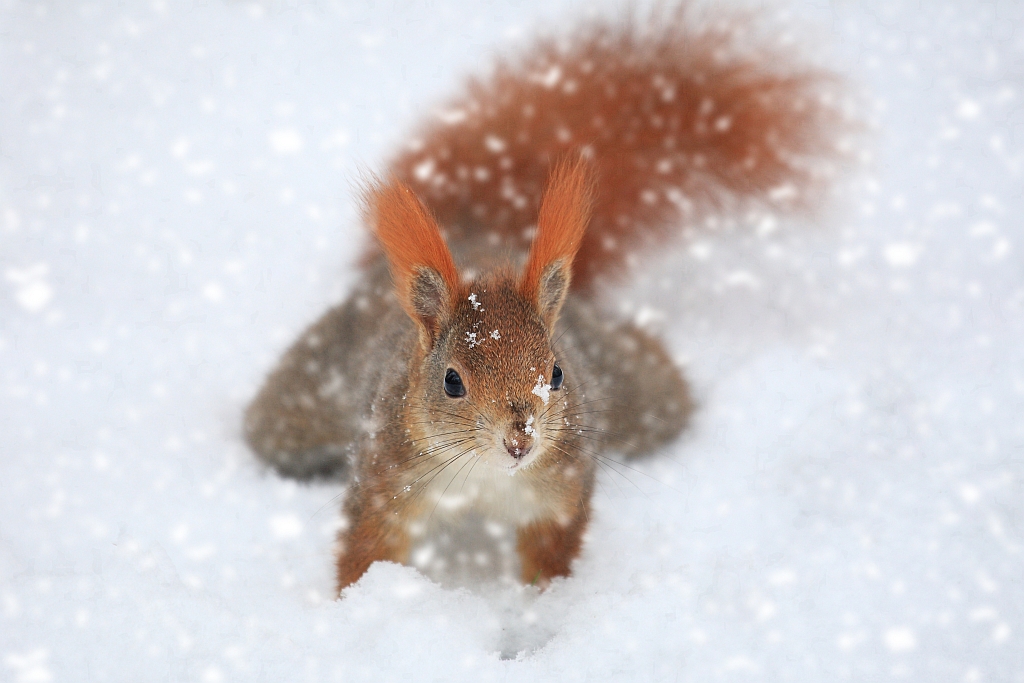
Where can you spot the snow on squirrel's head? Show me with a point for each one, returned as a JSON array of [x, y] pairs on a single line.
[[484, 368]]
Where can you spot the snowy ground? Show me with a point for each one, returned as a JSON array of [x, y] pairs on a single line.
[[175, 205]]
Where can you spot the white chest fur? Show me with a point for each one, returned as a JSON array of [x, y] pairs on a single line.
[[475, 485]]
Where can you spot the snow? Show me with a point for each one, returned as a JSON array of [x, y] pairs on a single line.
[[176, 204], [542, 389]]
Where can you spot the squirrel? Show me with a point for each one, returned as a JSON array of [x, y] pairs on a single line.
[[473, 367]]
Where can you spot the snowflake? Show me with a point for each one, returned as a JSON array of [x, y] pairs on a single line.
[[542, 389], [529, 427]]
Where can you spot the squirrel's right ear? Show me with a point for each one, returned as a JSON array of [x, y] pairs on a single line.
[[564, 214], [424, 272]]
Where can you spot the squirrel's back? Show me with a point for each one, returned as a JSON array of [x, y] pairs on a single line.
[[678, 115]]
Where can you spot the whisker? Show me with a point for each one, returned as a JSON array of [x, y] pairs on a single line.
[[600, 457], [455, 415], [565, 406], [429, 453], [438, 436], [441, 446], [574, 413], [610, 459], [320, 509], [453, 418], [599, 464], [441, 420], [583, 430], [559, 337], [442, 466], [470, 473]]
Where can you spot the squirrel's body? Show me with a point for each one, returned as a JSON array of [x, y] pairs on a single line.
[[474, 380], [314, 415]]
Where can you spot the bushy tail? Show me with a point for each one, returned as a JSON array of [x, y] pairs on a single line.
[[681, 116]]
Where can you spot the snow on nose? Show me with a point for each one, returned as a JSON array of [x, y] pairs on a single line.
[[519, 439]]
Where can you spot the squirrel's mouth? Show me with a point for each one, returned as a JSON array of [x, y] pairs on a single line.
[[510, 463]]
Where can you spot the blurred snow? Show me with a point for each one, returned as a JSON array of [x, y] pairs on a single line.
[[176, 204]]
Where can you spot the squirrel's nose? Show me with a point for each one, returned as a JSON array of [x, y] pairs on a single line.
[[519, 438], [516, 448], [518, 443]]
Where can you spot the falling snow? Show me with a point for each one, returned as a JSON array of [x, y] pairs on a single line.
[[847, 504]]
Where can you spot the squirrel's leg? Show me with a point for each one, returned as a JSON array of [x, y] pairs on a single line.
[[548, 547], [374, 532], [302, 422], [646, 399], [650, 389]]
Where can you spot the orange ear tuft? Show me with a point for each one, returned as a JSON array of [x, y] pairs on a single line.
[[424, 272], [564, 214]]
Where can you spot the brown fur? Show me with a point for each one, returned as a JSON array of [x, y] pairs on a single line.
[[667, 118]]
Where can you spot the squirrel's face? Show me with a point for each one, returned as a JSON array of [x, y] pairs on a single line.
[[483, 380], [491, 382]]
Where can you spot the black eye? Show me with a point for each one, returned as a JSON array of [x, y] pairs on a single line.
[[453, 384], [556, 378]]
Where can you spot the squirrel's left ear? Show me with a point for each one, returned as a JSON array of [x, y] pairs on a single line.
[[564, 214], [424, 272]]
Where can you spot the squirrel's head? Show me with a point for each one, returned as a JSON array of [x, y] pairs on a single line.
[[484, 378]]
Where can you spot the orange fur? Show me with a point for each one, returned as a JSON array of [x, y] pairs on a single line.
[[548, 548], [409, 237], [372, 535], [679, 116], [562, 222]]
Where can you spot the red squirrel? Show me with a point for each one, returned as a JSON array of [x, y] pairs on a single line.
[[473, 367]]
